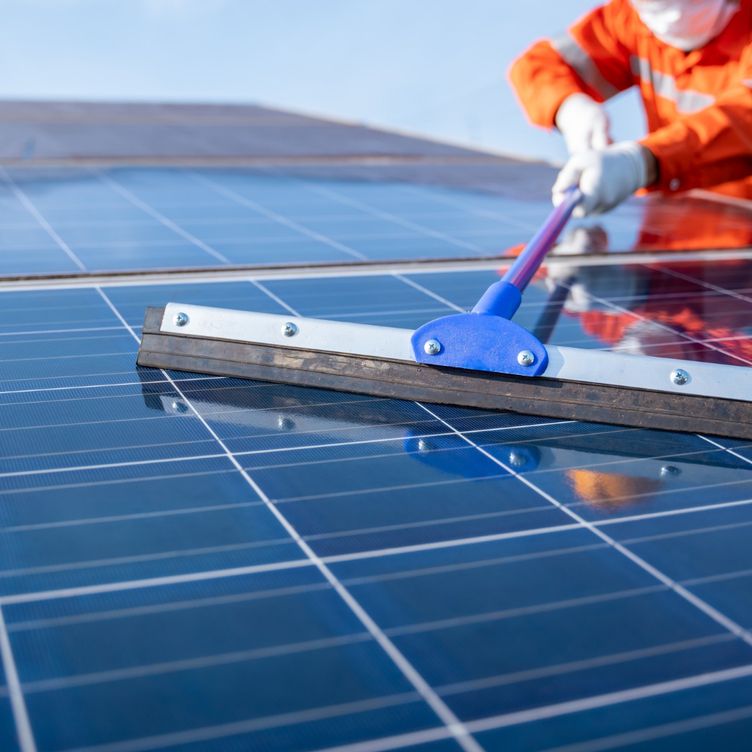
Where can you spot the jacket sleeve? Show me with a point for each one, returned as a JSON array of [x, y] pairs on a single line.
[[709, 147], [591, 58]]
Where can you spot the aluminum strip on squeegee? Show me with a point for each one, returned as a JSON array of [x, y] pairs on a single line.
[[391, 343], [308, 334]]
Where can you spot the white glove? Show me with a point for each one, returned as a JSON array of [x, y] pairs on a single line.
[[583, 123], [605, 177]]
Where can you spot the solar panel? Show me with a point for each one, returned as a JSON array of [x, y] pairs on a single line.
[[71, 221], [202, 563]]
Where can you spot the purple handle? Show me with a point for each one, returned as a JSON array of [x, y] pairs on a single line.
[[503, 297], [529, 261]]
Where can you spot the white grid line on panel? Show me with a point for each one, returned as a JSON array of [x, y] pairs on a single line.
[[420, 288], [204, 602], [511, 613], [17, 699], [235, 728], [442, 198], [385, 744], [185, 553], [159, 217], [442, 710], [28, 204], [584, 664], [728, 450], [707, 285], [37, 332], [611, 698], [398, 741], [261, 286], [651, 733], [696, 601], [192, 664], [285, 648], [148, 582], [111, 518], [687, 533], [237, 239], [165, 607], [112, 385], [238, 198], [385, 440], [394, 219], [366, 554]]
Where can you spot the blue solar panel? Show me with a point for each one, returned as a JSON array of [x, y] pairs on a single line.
[[194, 562], [68, 221]]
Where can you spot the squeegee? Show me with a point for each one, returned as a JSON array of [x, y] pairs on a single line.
[[480, 359]]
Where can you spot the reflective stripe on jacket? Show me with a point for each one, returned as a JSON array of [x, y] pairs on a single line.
[[698, 104]]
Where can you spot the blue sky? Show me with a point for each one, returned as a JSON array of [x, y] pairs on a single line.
[[436, 67]]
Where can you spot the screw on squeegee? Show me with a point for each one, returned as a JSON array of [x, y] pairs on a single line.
[[679, 376], [432, 347], [181, 319], [525, 358], [289, 329]]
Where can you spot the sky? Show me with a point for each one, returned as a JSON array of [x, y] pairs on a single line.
[[431, 67]]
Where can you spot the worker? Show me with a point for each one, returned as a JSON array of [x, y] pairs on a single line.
[[692, 62]]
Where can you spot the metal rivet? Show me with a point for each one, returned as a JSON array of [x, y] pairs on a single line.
[[284, 423], [432, 347], [179, 407], [679, 376], [181, 319], [525, 358], [668, 470], [289, 329], [516, 459]]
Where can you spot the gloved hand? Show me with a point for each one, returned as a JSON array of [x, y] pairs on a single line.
[[605, 177], [583, 123]]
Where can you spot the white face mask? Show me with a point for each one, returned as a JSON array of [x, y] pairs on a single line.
[[685, 24]]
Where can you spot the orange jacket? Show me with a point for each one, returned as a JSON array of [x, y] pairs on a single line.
[[698, 104]]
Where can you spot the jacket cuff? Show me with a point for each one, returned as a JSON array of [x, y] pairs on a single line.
[[674, 154]]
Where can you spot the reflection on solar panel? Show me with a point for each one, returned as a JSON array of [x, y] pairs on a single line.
[[200, 563], [67, 221]]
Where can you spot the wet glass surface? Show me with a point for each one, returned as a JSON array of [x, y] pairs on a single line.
[[174, 541]]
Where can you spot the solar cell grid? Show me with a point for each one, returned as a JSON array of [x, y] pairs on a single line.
[[68, 221], [533, 574]]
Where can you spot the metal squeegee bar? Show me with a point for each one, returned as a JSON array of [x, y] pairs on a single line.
[[671, 376], [401, 379]]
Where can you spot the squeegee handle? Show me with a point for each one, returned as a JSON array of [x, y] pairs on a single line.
[[503, 297]]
